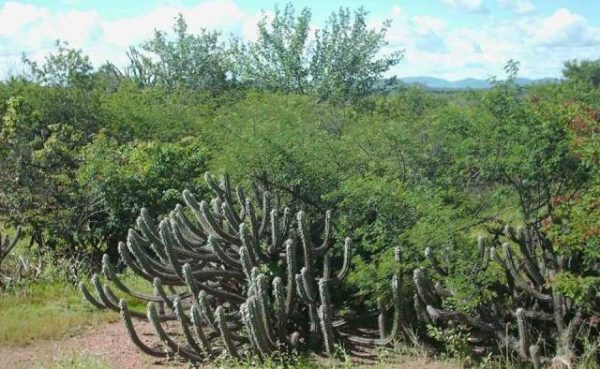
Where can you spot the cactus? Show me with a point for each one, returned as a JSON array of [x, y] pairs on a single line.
[[215, 269], [529, 263]]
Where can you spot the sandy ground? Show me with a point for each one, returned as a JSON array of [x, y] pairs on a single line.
[[110, 343]]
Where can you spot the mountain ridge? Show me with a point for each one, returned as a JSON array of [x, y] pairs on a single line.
[[466, 83]]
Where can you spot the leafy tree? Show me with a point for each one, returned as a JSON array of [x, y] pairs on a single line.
[[67, 67], [345, 60], [197, 62], [586, 71], [118, 180], [279, 59], [341, 61]]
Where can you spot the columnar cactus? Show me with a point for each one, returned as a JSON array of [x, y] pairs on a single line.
[[536, 311], [239, 275]]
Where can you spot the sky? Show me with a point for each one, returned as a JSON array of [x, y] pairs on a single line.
[[450, 39]]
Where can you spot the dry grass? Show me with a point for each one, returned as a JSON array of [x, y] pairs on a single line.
[[45, 311]]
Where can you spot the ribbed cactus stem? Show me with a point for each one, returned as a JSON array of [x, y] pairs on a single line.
[[535, 356], [291, 258], [263, 305], [306, 245], [424, 288], [221, 320], [212, 183], [346, 260], [184, 322], [196, 317], [523, 333], [246, 261], [160, 292], [258, 326], [275, 232], [206, 310], [326, 317], [126, 319], [381, 319], [279, 307], [166, 340], [251, 216], [190, 280]]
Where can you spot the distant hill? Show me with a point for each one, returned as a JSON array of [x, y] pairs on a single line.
[[468, 83]]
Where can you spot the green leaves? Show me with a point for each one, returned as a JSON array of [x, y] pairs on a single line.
[[341, 61]]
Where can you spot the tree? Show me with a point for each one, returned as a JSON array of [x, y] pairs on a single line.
[[67, 67], [345, 61], [197, 62], [586, 71], [340, 62]]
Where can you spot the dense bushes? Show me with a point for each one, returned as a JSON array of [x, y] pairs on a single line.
[[83, 150]]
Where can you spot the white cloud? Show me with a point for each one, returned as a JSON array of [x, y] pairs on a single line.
[[33, 29], [524, 7], [434, 46], [467, 6], [520, 7], [15, 16], [564, 28]]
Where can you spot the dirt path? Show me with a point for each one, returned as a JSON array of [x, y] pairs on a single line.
[[111, 344], [108, 342]]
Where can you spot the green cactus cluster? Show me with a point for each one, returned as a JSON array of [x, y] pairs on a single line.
[[239, 274], [242, 276], [538, 325]]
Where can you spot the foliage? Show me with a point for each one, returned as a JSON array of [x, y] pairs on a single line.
[[196, 62], [340, 61]]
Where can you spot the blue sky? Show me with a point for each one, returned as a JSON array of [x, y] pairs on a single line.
[[450, 39]]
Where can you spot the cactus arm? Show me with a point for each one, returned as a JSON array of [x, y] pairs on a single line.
[[424, 288], [346, 261], [109, 273], [263, 306], [326, 317], [214, 185], [205, 310], [188, 227], [89, 297], [257, 327], [306, 245], [439, 314], [266, 209], [217, 229], [160, 293], [535, 356], [517, 277], [223, 255], [100, 292], [126, 319], [184, 322], [279, 306], [322, 250], [221, 320], [523, 333], [276, 236], [291, 260], [254, 226], [197, 322], [166, 340]]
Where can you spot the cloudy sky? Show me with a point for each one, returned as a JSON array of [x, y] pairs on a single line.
[[450, 39]]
